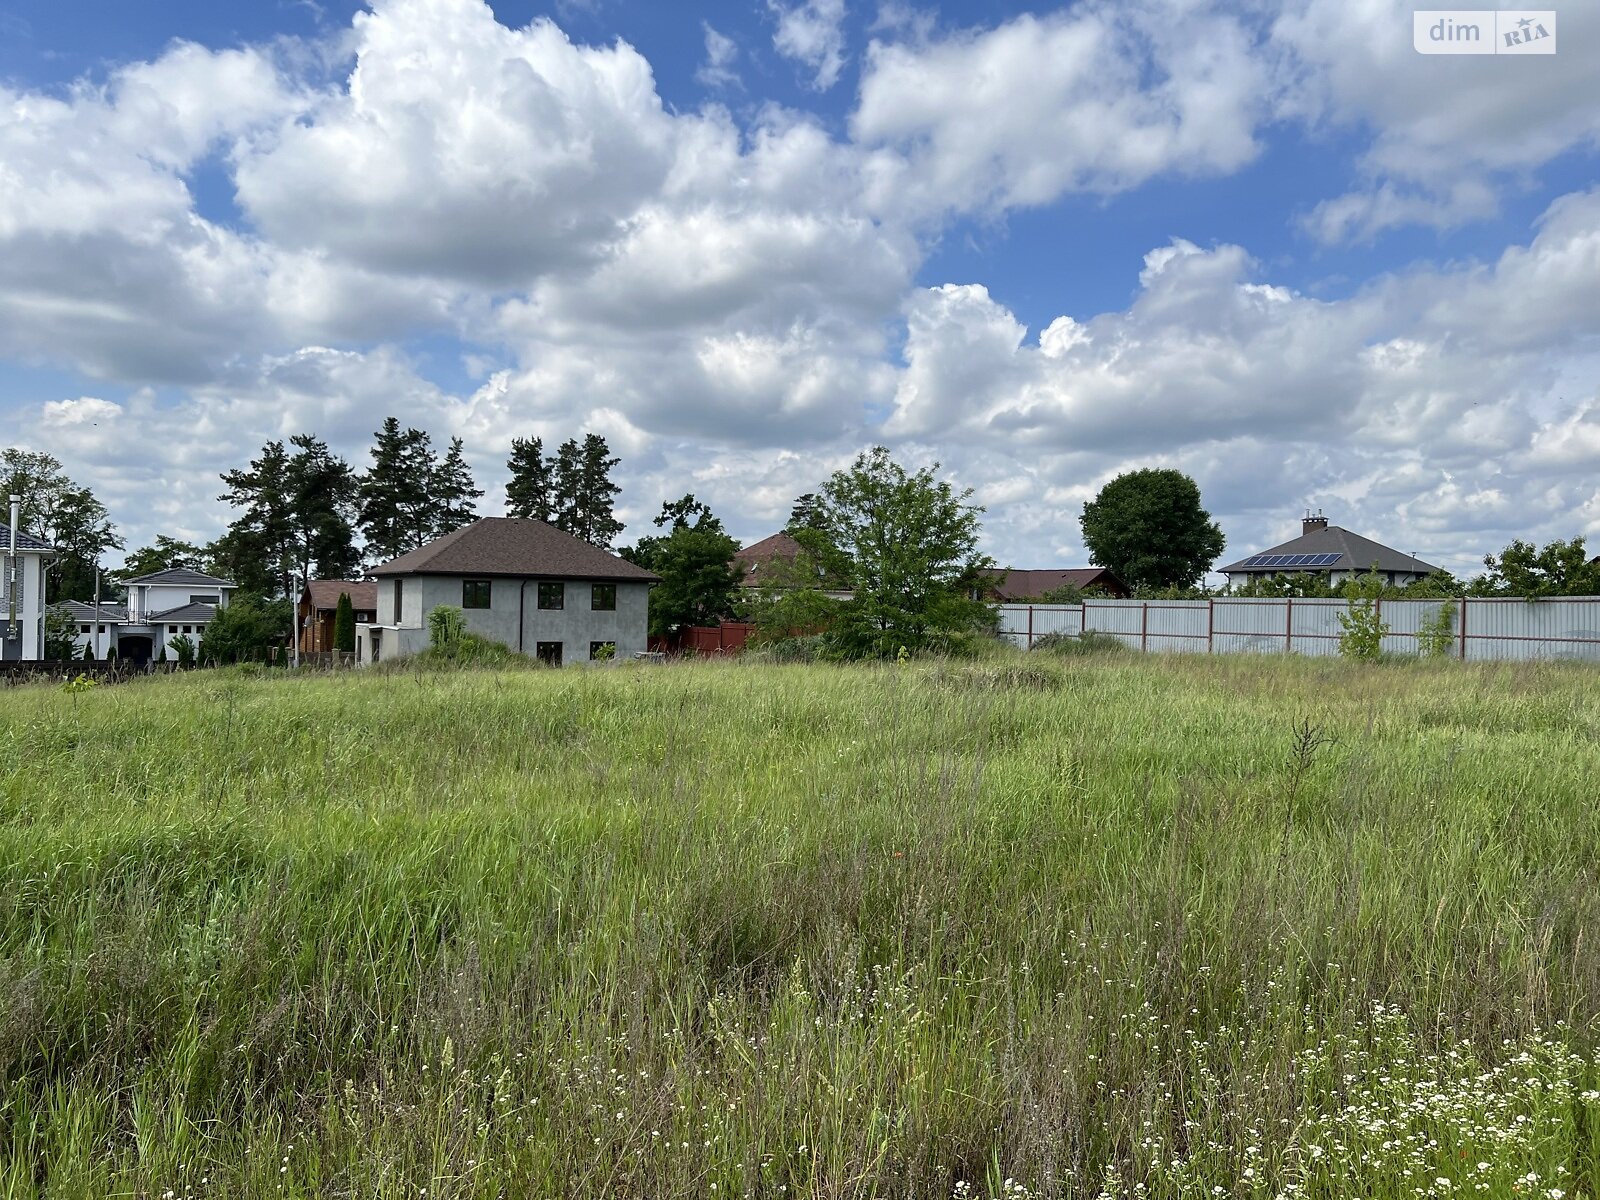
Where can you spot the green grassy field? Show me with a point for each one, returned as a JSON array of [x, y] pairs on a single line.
[[1105, 926]]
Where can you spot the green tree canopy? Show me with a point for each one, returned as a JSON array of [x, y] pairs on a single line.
[[1557, 569], [295, 520], [395, 503], [1149, 527], [907, 544], [246, 630], [531, 490], [454, 492], [63, 514], [699, 581], [164, 552]]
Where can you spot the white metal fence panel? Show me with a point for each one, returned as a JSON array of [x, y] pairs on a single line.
[[1178, 626], [1027, 623], [1480, 629], [1122, 619], [1314, 627], [1247, 626], [1544, 629]]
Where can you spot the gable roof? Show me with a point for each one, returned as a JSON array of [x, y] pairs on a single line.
[[110, 614], [325, 593], [1014, 584], [1356, 553], [779, 546], [25, 541], [515, 546], [180, 577], [183, 612]]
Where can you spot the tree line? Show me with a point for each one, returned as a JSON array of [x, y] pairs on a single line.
[[902, 543]]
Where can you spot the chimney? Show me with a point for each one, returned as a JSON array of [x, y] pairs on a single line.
[[1313, 524]]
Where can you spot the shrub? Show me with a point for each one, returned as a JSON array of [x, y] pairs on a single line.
[[183, 646], [446, 627], [1363, 625], [1090, 641], [1436, 637]]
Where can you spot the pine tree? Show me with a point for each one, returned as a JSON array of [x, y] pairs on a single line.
[[566, 472], [596, 492], [381, 493], [258, 550], [396, 505], [529, 494], [806, 514], [454, 492], [422, 471], [296, 518], [322, 496]]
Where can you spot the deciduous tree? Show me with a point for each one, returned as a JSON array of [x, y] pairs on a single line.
[[62, 513], [1149, 527], [699, 581], [1557, 569], [908, 545]]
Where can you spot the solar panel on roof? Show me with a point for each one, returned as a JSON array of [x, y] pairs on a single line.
[[1327, 560]]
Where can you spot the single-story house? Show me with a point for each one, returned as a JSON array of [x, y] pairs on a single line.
[[776, 556], [519, 582], [1332, 552], [22, 591], [162, 606], [1012, 585], [319, 602]]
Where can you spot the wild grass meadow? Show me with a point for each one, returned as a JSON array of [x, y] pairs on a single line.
[[1103, 926]]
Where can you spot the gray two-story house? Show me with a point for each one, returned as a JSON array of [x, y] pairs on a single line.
[[519, 582]]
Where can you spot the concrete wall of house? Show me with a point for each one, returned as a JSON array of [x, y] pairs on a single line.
[[577, 625], [147, 598], [28, 645]]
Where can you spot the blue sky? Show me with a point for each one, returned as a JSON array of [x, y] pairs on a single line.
[[1043, 244]]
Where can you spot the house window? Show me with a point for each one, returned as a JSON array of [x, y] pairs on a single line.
[[474, 593], [170, 629], [83, 629], [552, 595], [205, 599], [604, 597], [548, 652], [102, 629], [188, 628], [602, 651], [398, 594]]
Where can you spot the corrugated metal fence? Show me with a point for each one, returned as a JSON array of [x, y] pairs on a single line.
[[1479, 629]]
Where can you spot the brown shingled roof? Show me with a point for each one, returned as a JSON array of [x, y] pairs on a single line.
[[778, 546], [325, 594], [1014, 584], [515, 546]]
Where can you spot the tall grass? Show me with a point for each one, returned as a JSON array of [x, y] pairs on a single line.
[[1099, 926]]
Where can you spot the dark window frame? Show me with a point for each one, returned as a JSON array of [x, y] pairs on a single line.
[[596, 646], [610, 590], [470, 593], [548, 653], [557, 592]]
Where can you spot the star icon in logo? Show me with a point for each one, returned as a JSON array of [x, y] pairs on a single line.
[[1524, 23]]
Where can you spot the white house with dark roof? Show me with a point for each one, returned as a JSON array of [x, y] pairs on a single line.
[[519, 582], [22, 591], [1332, 552], [162, 606]]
